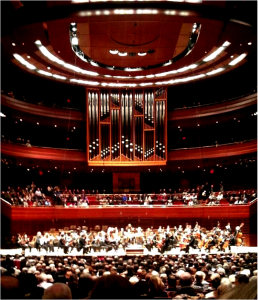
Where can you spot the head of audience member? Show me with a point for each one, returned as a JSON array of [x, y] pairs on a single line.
[[199, 277], [58, 291], [215, 280], [10, 288], [241, 278], [185, 279], [112, 287], [242, 291]]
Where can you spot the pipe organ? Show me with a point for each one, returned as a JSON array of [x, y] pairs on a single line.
[[126, 127]]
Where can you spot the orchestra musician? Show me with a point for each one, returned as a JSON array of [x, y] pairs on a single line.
[[164, 239]]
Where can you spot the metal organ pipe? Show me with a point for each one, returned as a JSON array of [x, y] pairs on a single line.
[[90, 125]]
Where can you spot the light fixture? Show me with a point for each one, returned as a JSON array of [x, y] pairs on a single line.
[[74, 29], [44, 73], [122, 53], [48, 68], [24, 62], [69, 172], [20, 120], [198, 166], [28, 56], [55, 125], [13, 44], [75, 41], [74, 168], [142, 53], [55, 167], [28, 169], [183, 171], [113, 51], [48, 171], [238, 59], [37, 123], [215, 71], [74, 127], [232, 56], [178, 167], [217, 122], [217, 52], [249, 43], [198, 124]]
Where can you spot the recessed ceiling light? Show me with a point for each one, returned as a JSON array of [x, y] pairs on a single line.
[[178, 127], [142, 53], [48, 68], [55, 167], [205, 52], [23, 44], [69, 172], [19, 164], [74, 127], [28, 56], [238, 121], [183, 171], [232, 56], [74, 168], [178, 167], [240, 44], [13, 44], [198, 166], [217, 122], [21, 120], [37, 123], [28, 169], [55, 125], [48, 171], [249, 43], [58, 51], [198, 124]]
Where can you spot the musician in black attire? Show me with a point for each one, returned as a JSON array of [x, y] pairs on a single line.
[[82, 244], [62, 243]]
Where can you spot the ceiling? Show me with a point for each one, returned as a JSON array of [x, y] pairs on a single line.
[[128, 27]]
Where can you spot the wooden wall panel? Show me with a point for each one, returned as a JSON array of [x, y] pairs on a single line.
[[120, 181], [31, 220]]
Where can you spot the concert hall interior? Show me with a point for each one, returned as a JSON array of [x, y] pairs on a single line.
[[124, 120]]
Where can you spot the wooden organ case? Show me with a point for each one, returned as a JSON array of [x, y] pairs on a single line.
[[126, 127]]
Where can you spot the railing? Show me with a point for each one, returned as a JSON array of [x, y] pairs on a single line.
[[212, 146], [216, 102]]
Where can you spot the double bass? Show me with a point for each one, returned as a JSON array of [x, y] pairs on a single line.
[[239, 236]]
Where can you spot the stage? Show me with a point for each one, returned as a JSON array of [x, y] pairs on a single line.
[[122, 252]]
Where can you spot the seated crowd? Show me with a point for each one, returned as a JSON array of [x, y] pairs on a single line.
[[27, 196], [209, 276], [35, 196]]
